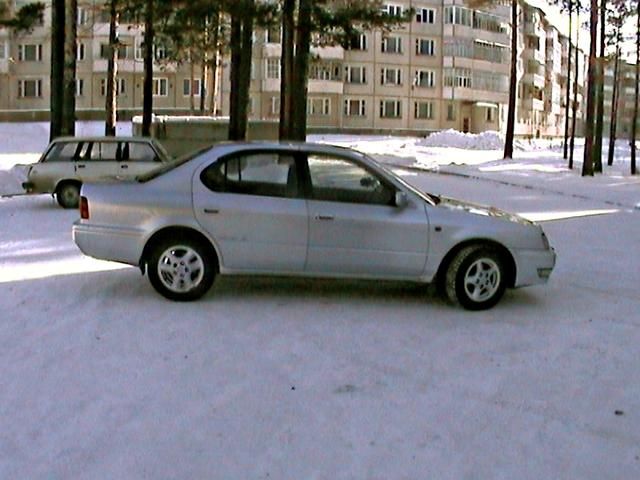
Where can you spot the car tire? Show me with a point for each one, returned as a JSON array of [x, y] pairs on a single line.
[[476, 278], [68, 195], [181, 269]]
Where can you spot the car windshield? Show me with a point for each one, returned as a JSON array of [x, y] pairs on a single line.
[[166, 167]]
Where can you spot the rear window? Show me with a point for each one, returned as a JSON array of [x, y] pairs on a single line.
[[61, 152]]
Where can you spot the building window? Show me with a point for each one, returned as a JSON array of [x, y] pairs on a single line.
[[83, 16], [160, 87], [324, 71], [458, 16], [490, 116], [121, 86], [425, 46], [355, 108], [390, 76], [390, 109], [423, 110], [189, 85], [79, 87], [355, 74], [80, 51], [426, 15], [425, 78], [159, 52], [275, 105], [392, 10], [105, 51], [359, 42], [30, 52], [451, 112], [457, 77], [273, 68], [392, 45], [30, 88], [318, 106]]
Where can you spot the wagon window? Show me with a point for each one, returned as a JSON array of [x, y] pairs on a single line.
[[61, 152]]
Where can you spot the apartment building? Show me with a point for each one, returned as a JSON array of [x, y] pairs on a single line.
[[446, 68], [626, 98], [25, 69]]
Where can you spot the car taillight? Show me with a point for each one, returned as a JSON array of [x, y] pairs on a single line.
[[84, 208]]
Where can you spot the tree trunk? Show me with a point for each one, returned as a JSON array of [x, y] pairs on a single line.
[[574, 106], [192, 76], [286, 69], [565, 146], [69, 74], [301, 72], [147, 86], [213, 100], [587, 164], [614, 108], [235, 41], [597, 144], [511, 114], [634, 122], [112, 72], [57, 67], [242, 33]]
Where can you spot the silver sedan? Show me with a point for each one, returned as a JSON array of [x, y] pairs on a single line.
[[304, 210]]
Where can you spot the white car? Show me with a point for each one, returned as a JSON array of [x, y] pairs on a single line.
[[68, 162], [304, 210]]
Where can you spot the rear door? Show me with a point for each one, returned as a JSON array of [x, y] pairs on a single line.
[[355, 227], [251, 205], [95, 160]]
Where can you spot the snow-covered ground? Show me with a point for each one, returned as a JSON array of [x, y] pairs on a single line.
[[298, 379]]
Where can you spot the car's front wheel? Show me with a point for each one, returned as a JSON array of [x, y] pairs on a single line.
[[476, 278], [68, 194], [181, 269]]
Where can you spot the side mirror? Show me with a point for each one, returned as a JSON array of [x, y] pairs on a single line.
[[401, 199]]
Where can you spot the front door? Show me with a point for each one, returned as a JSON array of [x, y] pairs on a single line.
[[355, 227], [249, 204]]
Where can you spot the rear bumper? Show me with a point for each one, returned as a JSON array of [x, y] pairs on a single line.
[[533, 267], [108, 243]]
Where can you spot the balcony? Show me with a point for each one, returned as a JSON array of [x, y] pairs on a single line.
[[533, 104], [325, 86], [534, 79]]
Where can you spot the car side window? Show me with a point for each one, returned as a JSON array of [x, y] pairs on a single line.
[[270, 174], [61, 152], [336, 179], [107, 151], [138, 152]]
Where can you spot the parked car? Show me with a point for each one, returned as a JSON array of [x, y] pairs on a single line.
[[68, 162], [304, 210]]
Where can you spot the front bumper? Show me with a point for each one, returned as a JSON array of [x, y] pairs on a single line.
[[533, 267], [122, 245]]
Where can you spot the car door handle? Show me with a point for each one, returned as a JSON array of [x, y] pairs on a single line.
[[211, 211], [80, 166], [324, 217], [124, 166]]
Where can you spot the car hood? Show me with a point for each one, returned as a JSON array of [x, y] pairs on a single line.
[[483, 210]]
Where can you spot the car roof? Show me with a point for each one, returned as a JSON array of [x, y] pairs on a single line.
[[222, 148], [103, 138]]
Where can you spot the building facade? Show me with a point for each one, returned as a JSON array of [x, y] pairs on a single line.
[[446, 68]]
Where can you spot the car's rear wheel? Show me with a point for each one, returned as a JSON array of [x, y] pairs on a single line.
[[68, 194], [181, 269], [476, 278]]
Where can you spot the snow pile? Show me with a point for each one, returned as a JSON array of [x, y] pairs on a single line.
[[489, 140]]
